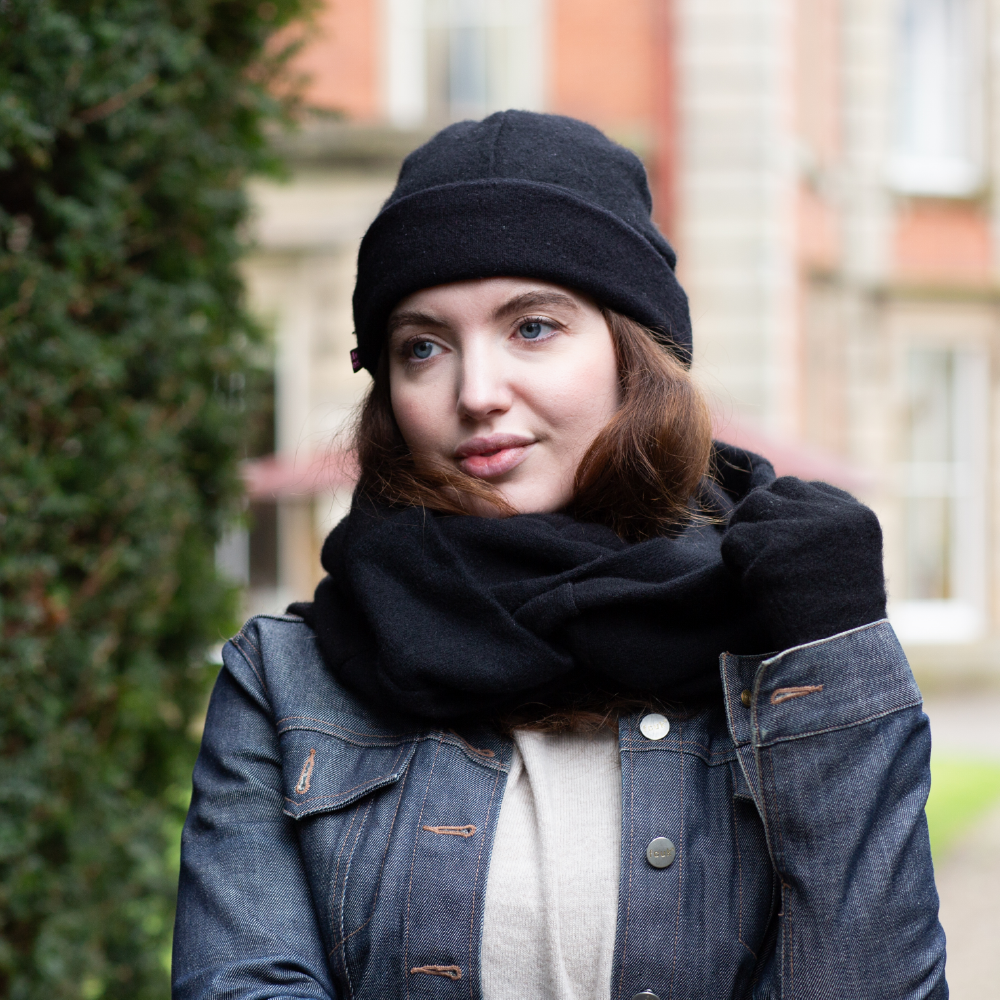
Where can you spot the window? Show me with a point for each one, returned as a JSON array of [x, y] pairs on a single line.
[[939, 98], [405, 62], [452, 59], [944, 497], [262, 546], [467, 87], [248, 556], [232, 558]]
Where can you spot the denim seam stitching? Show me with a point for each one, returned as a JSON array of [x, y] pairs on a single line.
[[484, 754], [832, 729], [680, 874], [786, 903], [741, 752], [739, 875], [339, 893], [392, 825], [474, 973], [494, 763], [408, 736], [244, 633], [631, 864], [385, 854], [729, 689], [766, 793], [712, 759], [413, 862], [234, 642], [760, 803], [375, 783], [384, 779], [385, 742], [347, 871], [341, 944]]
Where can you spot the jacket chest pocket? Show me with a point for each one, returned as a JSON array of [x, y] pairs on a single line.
[[344, 796]]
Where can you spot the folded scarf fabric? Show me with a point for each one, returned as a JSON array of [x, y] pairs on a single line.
[[449, 616]]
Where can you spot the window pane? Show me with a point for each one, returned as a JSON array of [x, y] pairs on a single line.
[[928, 512], [930, 380], [938, 99], [467, 79], [483, 56], [263, 554], [927, 524]]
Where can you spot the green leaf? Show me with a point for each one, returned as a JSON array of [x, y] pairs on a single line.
[[127, 130]]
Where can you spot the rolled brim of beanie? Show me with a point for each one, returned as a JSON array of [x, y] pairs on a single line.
[[513, 228]]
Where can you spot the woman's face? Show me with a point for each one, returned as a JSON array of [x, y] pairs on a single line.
[[508, 379]]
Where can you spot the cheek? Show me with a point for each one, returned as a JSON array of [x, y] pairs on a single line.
[[580, 399], [419, 414]]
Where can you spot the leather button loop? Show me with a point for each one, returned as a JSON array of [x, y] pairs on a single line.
[[745, 697], [654, 727], [660, 853]]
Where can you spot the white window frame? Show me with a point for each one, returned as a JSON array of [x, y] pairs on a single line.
[[515, 55], [962, 618], [938, 140], [405, 69]]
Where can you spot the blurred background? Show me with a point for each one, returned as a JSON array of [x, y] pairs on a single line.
[[825, 171], [828, 172]]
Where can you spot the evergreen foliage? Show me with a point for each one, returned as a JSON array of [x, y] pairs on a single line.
[[127, 128]]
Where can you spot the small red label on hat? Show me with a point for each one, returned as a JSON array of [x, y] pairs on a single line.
[[355, 360]]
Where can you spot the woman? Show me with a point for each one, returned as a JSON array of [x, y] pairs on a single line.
[[587, 706]]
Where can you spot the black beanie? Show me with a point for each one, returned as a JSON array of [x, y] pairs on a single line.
[[525, 195]]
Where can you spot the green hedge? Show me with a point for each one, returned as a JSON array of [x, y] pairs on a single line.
[[127, 128]]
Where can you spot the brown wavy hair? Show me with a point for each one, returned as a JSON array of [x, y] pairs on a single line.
[[638, 477]]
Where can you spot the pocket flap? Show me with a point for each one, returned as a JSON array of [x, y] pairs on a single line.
[[323, 773]]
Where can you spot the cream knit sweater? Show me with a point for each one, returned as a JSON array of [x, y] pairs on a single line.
[[552, 896]]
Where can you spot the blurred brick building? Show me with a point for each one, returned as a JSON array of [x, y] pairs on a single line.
[[828, 172]]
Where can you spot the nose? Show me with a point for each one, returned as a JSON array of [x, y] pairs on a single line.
[[483, 389]]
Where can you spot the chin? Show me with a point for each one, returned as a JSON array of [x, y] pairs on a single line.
[[535, 501]]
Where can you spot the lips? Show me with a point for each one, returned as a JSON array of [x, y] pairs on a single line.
[[488, 457]]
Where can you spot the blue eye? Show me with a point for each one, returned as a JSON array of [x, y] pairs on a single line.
[[533, 329], [423, 349]]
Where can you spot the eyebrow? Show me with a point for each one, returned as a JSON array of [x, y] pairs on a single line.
[[534, 300], [519, 303], [412, 317]]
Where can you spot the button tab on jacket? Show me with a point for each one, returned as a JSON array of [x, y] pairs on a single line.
[[654, 727], [660, 853]]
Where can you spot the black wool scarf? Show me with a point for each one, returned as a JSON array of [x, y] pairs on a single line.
[[443, 617]]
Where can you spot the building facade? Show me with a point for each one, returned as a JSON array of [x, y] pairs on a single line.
[[826, 170]]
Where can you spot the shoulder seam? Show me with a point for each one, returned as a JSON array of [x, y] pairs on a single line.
[[234, 642]]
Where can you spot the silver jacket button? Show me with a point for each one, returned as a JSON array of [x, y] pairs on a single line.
[[646, 995], [654, 727], [660, 853]]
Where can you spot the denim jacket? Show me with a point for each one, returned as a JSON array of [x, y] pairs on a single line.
[[320, 857]]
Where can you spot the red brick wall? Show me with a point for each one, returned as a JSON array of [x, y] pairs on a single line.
[[342, 59], [602, 61], [612, 65]]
